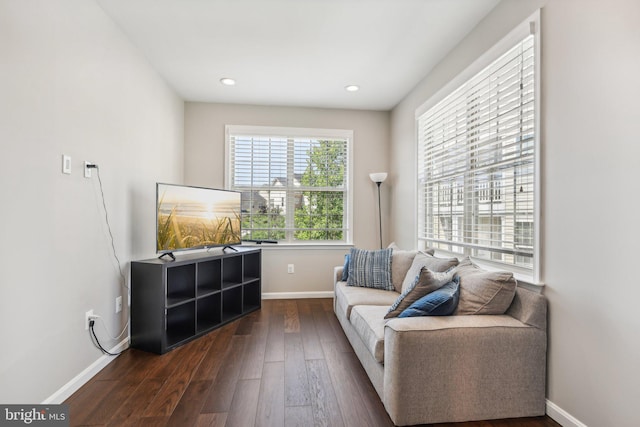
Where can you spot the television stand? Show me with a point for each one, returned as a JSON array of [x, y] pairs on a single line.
[[173, 303], [169, 254], [229, 247]]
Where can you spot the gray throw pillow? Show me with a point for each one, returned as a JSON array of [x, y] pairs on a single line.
[[483, 292], [423, 259], [426, 282], [370, 269]]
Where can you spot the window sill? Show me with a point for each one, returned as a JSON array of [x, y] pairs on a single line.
[[300, 246]]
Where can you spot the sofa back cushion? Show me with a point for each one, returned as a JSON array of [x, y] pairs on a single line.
[[400, 263]]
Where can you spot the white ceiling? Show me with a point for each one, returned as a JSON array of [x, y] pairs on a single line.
[[296, 52]]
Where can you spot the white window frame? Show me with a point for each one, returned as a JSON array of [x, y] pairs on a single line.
[[531, 26], [294, 132]]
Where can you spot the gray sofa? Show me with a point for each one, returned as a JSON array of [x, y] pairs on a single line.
[[448, 368]]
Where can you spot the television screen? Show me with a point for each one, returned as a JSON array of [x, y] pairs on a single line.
[[195, 217]]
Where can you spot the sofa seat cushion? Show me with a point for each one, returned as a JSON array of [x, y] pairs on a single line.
[[429, 324], [349, 296], [368, 321]]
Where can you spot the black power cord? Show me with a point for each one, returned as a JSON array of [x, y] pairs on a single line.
[[94, 337], [106, 217], [95, 341]]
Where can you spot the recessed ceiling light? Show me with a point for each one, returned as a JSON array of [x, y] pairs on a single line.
[[227, 81], [352, 88]]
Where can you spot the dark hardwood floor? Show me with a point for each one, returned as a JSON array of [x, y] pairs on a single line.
[[288, 364]]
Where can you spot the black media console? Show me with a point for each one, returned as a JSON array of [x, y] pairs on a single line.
[[173, 302]]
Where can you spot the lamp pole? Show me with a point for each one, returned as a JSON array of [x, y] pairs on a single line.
[[378, 178], [379, 213]]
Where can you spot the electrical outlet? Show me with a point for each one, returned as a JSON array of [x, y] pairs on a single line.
[[87, 171], [290, 268], [118, 304], [88, 316]]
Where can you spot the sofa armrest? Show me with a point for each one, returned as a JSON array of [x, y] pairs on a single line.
[[337, 277], [457, 368], [530, 308]]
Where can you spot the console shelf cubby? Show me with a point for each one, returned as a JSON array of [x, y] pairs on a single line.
[[173, 302]]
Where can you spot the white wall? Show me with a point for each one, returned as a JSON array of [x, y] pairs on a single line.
[[71, 84], [592, 198], [204, 165], [591, 179]]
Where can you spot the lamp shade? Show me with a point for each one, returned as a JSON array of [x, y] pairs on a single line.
[[378, 176]]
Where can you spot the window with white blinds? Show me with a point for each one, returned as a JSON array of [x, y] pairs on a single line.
[[477, 163], [294, 182]]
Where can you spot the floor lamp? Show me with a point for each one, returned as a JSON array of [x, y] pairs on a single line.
[[378, 178]]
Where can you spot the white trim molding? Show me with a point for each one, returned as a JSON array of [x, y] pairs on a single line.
[[561, 416], [297, 295], [83, 377]]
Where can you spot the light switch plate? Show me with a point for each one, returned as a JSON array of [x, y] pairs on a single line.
[[66, 164]]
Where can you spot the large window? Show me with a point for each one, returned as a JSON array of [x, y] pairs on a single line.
[[294, 182], [477, 162]]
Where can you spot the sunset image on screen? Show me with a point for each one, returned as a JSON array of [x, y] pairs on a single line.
[[191, 217]]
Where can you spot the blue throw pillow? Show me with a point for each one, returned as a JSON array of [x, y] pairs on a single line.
[[441, 302], [345, 269], [370, 269]]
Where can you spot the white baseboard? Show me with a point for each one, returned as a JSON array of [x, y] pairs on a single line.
[[561, 416], [297, 295], [83, 377]]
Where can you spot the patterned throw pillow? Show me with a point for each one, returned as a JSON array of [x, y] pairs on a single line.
[[441, 302], [425, 283], [370, 269]]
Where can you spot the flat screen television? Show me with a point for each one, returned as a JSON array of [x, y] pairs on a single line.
[[196, 218]]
